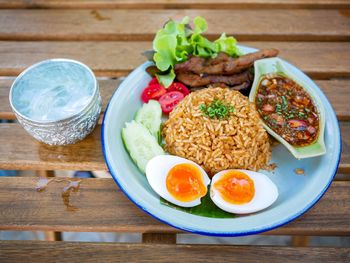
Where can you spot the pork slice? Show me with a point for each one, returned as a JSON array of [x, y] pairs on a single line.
[[194, 80], [223, 65]]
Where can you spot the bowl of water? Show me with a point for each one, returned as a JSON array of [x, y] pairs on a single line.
[[57, 101]]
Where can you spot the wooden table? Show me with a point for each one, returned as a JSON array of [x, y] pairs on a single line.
[[109, 36]]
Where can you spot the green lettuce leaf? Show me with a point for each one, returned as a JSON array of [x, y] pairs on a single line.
[[207, 208], [177, 40], [200, 25], [227, 45], [166, 79]]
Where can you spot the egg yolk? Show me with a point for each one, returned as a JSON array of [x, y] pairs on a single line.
[[235, 187], [185, 182]]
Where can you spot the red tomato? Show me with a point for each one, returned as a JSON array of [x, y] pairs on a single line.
[[169, 100], [153, 81], [152, 92], [177, 86]]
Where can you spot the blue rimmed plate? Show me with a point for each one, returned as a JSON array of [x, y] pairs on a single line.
[[297, 193]]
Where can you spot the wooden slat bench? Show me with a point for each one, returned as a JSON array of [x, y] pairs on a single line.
[[102, 207], [320, 60], [254, 24], [38, 251], [109, 36]]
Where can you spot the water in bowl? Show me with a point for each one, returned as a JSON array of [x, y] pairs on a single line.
[[53, 91]]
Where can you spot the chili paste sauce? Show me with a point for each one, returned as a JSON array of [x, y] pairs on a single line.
[[287, 109]]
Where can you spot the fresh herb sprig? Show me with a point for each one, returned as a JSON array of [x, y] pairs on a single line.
[[217, 110]]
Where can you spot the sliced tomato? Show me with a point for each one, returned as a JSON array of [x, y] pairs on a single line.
[[152, 92], [169, 100], [153, 81], [177, 86]]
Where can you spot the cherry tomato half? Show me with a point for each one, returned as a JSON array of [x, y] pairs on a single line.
[[152, 92], [153, 81], [169, 100], [177, 86]]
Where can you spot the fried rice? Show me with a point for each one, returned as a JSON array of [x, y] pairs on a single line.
[[238, 141]]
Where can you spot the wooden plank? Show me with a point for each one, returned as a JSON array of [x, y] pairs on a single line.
[[30, 154], [338, 94], [178, 4], [336, 90], [109, 58], [5, 109], [344, 166], [101, 206], [251, 24], [38, 251]]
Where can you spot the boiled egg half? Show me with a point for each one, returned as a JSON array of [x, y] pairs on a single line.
[[242, 191], [178, 180]]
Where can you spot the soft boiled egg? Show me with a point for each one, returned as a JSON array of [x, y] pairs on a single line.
[[178, 180], [242, 191]]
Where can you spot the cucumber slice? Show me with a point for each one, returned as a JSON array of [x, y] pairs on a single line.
[[141, 145], [150, 116]]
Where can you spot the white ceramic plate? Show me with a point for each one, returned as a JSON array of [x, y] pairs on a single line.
[[297, 193]]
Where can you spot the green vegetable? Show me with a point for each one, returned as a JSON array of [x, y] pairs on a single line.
[[227, 45], [150, 116], [278, 108], [141, 145], [284, 103], [176, 40], [217, 110], [302, 115], [207, 208]]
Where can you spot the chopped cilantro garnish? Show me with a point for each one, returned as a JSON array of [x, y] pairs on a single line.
[[217, 110]]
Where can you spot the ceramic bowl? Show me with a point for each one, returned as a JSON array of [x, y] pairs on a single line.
[[278, 66], [297, 193]]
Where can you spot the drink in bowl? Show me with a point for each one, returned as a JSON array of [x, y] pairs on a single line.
[[57, 101]]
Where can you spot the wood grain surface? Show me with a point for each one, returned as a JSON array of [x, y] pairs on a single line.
[[25, 153], [319, 60], [38, 251], [247, 24], [337, 92], [101, 206], [109, 36], [30, 154], [178, 4]]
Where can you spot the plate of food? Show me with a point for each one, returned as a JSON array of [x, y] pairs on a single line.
[[219, 139]]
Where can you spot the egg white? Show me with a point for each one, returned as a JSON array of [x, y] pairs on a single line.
[[157, 170], [266, 194]]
